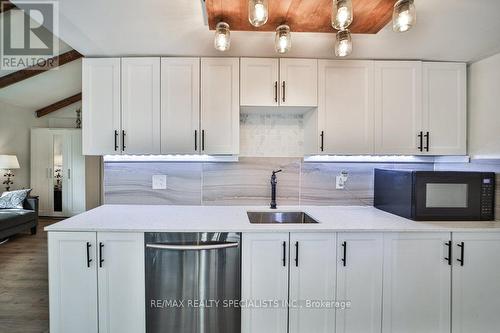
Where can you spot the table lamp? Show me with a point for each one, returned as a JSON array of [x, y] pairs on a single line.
[[8, 162]]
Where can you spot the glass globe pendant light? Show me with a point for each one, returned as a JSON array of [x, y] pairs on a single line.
[[404, 15], [222, 41], [257, 12], [343, 43], [341, 14], [283, 39]]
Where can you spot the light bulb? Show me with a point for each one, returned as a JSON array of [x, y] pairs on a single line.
[[343, 43], [283, 39], [341, 14], [257, 12], [404, 15], [222, 41]]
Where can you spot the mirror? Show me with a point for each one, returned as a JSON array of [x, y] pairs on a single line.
[[58, 173]]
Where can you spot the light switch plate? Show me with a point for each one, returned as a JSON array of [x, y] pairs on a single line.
[[159, 182]]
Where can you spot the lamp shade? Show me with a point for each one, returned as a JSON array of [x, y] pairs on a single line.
[[9, 162]]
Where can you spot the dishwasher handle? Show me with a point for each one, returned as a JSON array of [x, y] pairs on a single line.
[[192, 247]]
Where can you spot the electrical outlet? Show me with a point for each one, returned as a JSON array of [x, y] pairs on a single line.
[[341, 180], [159, 182]]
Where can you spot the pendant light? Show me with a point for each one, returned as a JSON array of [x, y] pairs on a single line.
[[341, 14], [222, 41], [343, 43], [404, 16], [283, 39], [257, 12]]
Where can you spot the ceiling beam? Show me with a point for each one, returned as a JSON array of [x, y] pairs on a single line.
[[58, 105], [6, 5], [49, 64]]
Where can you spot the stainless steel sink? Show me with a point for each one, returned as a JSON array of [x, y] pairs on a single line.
[[280, 217]]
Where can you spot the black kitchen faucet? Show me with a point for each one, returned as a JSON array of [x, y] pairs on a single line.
[[273, 189]]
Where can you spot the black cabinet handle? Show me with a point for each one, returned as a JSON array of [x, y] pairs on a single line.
[[344, 255], [202, 140], [101, 260], [283, 86], [123, 140], [276, 91], [449, 252], [426, 141], [296, 254], [322, 135], [116, 140], [462, 250], [284, 254], [88, 254], [421, 138], [195, 140]]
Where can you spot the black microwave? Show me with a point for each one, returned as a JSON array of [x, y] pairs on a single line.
[[436, 195]]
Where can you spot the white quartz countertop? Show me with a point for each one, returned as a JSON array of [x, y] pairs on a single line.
[[155, 218]]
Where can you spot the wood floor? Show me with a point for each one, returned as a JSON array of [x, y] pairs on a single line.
[[24, 299]]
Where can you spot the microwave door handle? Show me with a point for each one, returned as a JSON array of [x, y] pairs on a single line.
[[192, 247]]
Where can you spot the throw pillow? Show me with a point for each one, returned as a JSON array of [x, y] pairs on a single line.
[[13, 199]]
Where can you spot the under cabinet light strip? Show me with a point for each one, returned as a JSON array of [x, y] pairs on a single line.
[[386, 159], [170, 158]]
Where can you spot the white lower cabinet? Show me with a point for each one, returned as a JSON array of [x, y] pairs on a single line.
[[359, 281], [476, 282], [96, 282], [417, 283]]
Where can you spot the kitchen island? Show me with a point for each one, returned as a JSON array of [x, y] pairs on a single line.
[[358, 269]]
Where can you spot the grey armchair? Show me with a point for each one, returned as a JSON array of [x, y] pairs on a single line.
[[13, 221]]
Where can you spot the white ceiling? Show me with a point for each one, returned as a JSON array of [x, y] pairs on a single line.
[[452, 30]]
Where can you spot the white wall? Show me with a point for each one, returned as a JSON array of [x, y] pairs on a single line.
[[484, 108]]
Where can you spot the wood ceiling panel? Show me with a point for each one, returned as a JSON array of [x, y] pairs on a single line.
[[370, 16]]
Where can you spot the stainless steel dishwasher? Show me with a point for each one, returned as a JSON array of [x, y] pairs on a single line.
[[193, 281]]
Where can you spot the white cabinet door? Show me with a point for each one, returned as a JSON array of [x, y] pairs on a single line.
[[42, 169], [312, 278], [417, 283], [101, 106], [359, 281], [398, 107], [75, 173], [345, 107], [180, 105], [72, 282], [220, 106], [141, 105], [259, 82], [121, 282], [265, 277], [444, 108], [299, 82], [476, 286]]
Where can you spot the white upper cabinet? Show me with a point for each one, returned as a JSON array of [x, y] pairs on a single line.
[[345, 107], [476, 287], [312, 277], [101, 106], [141, 105], [444, 108], [259, 82], [298, 82], [398, 107], [359, 280], [220, 114], [416, 283], [180, 105]]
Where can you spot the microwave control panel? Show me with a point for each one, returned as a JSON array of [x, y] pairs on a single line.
[[488, 198]]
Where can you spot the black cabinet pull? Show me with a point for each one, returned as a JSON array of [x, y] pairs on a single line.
[[101, 260], [202, 140], [284, 254], [449, 252], [426, 141], [344, 255], [195, 140], [296, 254], [123, 140], [283, 86], [462, 249], [276, 91], [116, 140], [322, 135], [421, 139], [88, 254]]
